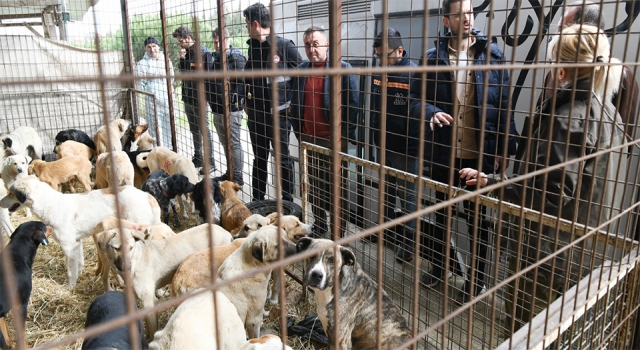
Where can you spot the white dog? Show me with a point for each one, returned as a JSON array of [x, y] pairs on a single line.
[[15, 167], [154, 262], [24, 140], [74, 216], [5, 221], [266, 342], [193, 323], [249, 295]]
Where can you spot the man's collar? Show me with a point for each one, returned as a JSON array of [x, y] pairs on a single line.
[[452, 50]]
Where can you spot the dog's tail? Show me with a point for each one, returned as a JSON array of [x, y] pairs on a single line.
[[98, 268], [31, 152]]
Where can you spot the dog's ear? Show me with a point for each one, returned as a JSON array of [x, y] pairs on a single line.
[[27, 159], [258, 249], [218, 197], [20, 196], [104, 239], [7, 142], [348, 258], [122, 126], [40, 235], [138, 235], [303, 244], [272, 217], [236, 187]]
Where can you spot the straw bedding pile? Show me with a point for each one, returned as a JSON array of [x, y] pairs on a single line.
[[55, 312]]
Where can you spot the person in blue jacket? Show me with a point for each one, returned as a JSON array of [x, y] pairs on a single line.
[[461, 114], [402, 135], [312, 123]]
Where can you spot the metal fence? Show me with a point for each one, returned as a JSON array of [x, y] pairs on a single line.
[[544, 256]]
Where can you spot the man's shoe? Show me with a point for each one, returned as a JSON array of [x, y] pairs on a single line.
[[403, 255], [427, 280]]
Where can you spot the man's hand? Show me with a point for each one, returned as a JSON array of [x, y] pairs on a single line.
[[183, 53], [440, 118], [473, 177], [498, 163]]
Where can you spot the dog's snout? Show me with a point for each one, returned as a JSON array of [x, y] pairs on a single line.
[[315, 277]]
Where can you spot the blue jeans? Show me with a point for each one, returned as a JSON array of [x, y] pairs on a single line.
[[404, 191], [194, 126], [163, 117], [236, 146]]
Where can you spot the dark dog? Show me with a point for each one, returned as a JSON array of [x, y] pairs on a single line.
[[131, 135], [22, 250], [140, 174], [164, 189], [74, 135], [199, 197], [104, 308], [357, 295]]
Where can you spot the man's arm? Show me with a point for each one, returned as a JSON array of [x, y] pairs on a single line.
[[354, 105]]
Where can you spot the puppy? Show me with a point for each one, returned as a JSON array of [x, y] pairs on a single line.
[[199, 197], [74, 148], [249, 295], [15, 167], [132, 134], [141, 232], [140, 173], [164, 189], [74, 216], [173, 163], [110, 141], [251, 224], [22, 248], [233, 211], [193, 323], [145, 142], [24, 140], [63, 171], [122, 165], [104, 308], [358, 295], [266, 342], [153, 263], [195, 271], [74, 135], [295, 230]]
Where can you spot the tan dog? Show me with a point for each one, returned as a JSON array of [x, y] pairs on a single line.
[[62, 171], [74, 148], [139, 231], [145, 142], [251, 224], [123, 168], [233, 211], [154, 262], [117, 129], [195, 270], [173, 163]]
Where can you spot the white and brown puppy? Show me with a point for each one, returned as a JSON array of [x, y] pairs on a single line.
[[358, 295], [266, 342], [295, 230], [15, 167], [110, 141], [141, 232], [233, 211], [154, 262], [123, 168], [251, 224], [249, 295], [74, 148], [193, 323], [195, 271], [74, 216], [65, 170], [24, 140]]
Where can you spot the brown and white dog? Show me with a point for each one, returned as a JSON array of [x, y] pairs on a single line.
[[74, 216], [154, 262], [139, 232], [358, 295], [122, 165], [249, 295], [110, 141], [232, 211], [64, 170], [74, 148]]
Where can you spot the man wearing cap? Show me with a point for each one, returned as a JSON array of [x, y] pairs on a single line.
[[152, 64], [402, 136]]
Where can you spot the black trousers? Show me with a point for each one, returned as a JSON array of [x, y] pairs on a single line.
[[261, 129]]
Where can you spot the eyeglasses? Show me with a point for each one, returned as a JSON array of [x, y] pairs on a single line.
[[388, 54], [181, 41]]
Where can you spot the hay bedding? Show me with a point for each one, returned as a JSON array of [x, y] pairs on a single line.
[[55, 312]]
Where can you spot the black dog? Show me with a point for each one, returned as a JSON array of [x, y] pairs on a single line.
[[165, 188], [104, 308], [74, 135], [22, 248], [199, 196]]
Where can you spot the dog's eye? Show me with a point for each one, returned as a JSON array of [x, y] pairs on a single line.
[[259, 225], [330, 260], [117, 249], [246, 228]]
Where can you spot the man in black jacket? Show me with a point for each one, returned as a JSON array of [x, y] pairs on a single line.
[[235, 61], [402, 136], [260, 107], [189, 62]]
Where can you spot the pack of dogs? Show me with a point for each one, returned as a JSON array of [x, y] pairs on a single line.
[[135, 243]]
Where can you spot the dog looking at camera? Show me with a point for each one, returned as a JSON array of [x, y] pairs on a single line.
[[233, 211], [165, 188], [15, 167], [358, 298]]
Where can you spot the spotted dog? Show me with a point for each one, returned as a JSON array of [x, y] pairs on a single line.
[[357, 294], [164, 189]]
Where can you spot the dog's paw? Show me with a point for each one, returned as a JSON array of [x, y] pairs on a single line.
[[265, 313], [161, 293]]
